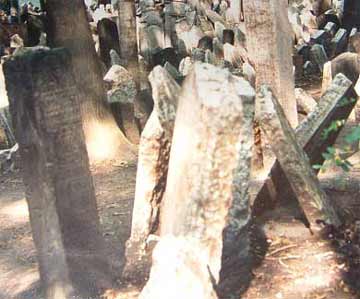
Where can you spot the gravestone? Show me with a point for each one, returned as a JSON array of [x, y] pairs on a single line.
[[60, 193], [108, 39], [294, 161], [270, 49], [207, 186], [309, 135], [154, 153]]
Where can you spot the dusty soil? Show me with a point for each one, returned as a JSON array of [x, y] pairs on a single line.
[[114, 184], [294, 264]]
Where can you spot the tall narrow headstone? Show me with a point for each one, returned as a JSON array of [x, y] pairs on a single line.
[[270, 48], [108, 39], [207, 186], [154, 153], [60, 193], [126, 23]]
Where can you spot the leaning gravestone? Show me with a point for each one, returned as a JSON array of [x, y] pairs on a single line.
[[309, 134], [154, 153], [207, 186], [59, 189], [293, 159]]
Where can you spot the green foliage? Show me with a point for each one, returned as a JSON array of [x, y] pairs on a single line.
[[332, 155], [346, 101], [354, 136], [334, 126]]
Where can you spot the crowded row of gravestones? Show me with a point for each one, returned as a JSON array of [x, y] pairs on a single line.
[[205, 216], [193, 173]]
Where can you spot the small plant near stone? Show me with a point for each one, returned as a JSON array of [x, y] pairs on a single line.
[[335, 156]]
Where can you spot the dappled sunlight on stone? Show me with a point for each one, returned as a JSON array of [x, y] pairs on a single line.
[[102, 143], [105, 142]]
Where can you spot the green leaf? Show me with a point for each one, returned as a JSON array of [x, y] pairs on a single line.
[[317, 166], [354, 136]]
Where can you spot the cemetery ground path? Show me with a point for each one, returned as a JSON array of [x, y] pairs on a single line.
[[19, 278], [296, 265]]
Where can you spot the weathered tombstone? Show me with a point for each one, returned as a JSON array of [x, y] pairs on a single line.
[[320, 37], [122, 95], [154, 153], [310, 69], [207, 184], [269, 44], [214, 17], [249, 73], [7, 138], [205, 43], [293, 160], [108, 39], [218, 48], [310, 137], [298, 62], [318, 56], [211, 58], [219, 30], [185, 66], [331, 28], [198, 55], [270, 49], [162, 56], [303, 50], [152, 17], [305, 102], [228, 36], [59, 188], [114, 57], [349, 65], [338, 43], [174, 72], [169, 28], [240, 37], [205, 25], [190, 37], [354, 42], [233, 55]]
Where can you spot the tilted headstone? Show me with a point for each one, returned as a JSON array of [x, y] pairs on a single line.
[[338, 43], [293, 160], [305, 102], [154, 153], [207, 184], [310, 136], [331, 28], [59, 189]]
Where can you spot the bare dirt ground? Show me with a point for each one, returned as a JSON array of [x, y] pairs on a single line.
[[114, 184], [296, 264], [293, 264]]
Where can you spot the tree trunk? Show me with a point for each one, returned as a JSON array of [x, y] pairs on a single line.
[[68, 27]]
